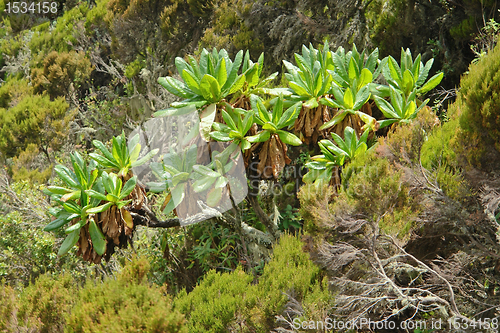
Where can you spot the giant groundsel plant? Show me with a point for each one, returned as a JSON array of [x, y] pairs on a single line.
[[244, 127]]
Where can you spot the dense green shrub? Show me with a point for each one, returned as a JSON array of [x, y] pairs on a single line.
[[96, 17], [478, 108], [374, 187], [26, 251], [8, 308], [439, 154], [289, 273], [45, 303], [225, 301], [26, 167], [60, 71], [57, 36], [219, 301], [30, 118], [125, 304]]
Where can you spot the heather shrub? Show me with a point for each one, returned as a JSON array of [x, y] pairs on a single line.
[[225, 302], [478, 109], [28, 118], [125, 304], [60, 71], [57, 35], [218, 302], [8, 308], [377, 189], [45, 303], [27, 251], [289, 276], [440, 155], [28, 166]]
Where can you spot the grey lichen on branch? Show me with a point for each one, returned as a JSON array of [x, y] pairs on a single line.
[[146, 217]]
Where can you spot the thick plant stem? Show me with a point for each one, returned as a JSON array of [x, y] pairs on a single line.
[[262, 216]]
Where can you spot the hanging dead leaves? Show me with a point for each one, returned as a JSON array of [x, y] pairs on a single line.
[[272, 157], [85, 247], [309, 121]]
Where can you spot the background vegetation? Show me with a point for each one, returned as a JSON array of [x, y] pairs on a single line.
[[405, 225]]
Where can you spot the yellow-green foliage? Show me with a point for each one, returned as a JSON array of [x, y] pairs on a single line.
[[27, 251], [61, 38], [437, 149], [30, 118], [289, 272], [13, 91], [134, 68], [45, 303], [465, 29], [373, 186], [59, 71], [96, 16], [125, 304], [25, 166], [9, 46], [228, 301], [478, 104], [228, 29], [7, 309], [57, 303], [406, 140], [439, 155], [217, 302]]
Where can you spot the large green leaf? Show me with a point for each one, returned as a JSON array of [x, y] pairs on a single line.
[[100, 209], [98, 239], [260, 137], [289, 138], [175, 111], [237, 85], [204, 183], [61, 220], [362, 98], [228, 119], [341, 114], [58, 190], [220, 136], [299, 89], [394, 70], [214, 197], [210, 88], [69, 242], [221, 72], [175, 86], [205, 171], [386, 108], [289, 116], [99, 145], [233, 73], [128, 187], [432, 83], [146, 158], [364, 78], [348, 99], [191, 81], [67, 176], [97, 195]]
